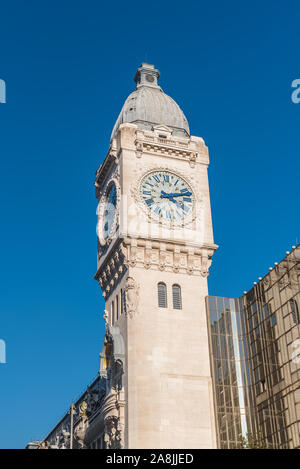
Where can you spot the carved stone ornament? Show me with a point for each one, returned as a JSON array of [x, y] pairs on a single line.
[[147, 258], [287, 275], [294, 277], [105, 317], [83, 409], [206, 262], [139, 149], [113, 433], [111, 272], [132, 296], [169, 258], [162, 260], [193, 158], [44, 445], [80, 432], [175, 148], [64, 439], [267, 282]]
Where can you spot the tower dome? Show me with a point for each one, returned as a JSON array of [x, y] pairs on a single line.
[[148, 105]]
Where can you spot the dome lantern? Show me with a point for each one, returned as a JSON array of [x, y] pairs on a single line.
[[146, 75], [149, 106]]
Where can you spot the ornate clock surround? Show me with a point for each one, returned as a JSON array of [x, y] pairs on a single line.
[[144, 170], [114, 179]]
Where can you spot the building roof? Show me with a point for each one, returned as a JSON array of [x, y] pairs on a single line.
[[148, 105]]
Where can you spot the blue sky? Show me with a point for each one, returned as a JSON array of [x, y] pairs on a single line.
[[68, 67]]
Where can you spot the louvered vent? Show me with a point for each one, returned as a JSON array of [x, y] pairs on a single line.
[[177, 303], [162, 295]]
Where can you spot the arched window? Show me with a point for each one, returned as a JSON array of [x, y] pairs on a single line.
[[177, 302], [112, 313], [117, 307], [162, 295], [295, 311], [121, 300]]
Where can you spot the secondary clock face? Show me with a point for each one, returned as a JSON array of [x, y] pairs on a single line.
[[167, 196], [107, 213]]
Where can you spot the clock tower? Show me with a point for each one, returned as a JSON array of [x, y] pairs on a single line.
[[155, 243]]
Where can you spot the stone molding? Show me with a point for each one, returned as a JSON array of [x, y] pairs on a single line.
[[168, 257], [111, 272], [170, 146], [153, 255]]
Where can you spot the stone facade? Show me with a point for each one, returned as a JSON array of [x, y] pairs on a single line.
[[167, 354], [167, 359]]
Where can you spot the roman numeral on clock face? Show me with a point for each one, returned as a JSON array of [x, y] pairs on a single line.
[[149, 202]]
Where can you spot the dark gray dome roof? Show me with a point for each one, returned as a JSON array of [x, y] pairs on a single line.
[[148, 105]]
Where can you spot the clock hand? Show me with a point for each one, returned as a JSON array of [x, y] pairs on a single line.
[[176, 203], [181, 194], [164, 195]]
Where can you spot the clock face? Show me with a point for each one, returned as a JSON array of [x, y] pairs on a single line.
[[167, 196], [107, 214]]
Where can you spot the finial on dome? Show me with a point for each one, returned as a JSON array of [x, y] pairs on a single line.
[[146, 75]]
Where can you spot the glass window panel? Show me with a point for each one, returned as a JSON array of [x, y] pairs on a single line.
[[220, 304], [228, 321], [212, 302], [222, 323], [213, 315], [223, 347], [273, 320], [230, 348]]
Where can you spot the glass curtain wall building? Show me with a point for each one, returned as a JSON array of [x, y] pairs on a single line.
[[255, 360]]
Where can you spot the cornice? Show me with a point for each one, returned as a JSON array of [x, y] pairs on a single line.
[[154, 255], [106, 167], [112, 270], [175, 148]]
